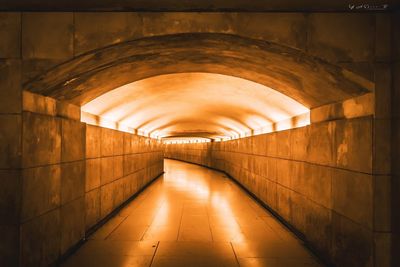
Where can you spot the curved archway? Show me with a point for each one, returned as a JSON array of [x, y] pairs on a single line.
[[308, 80], [209, 105]]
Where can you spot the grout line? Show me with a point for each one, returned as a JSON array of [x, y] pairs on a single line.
[[115, 228], [180, 222], [152, 221], [144, 232], [154, 255], [209, 223], [234, 252]]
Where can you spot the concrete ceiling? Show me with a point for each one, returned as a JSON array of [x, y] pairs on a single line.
[[194, 104], [186, 5], [289, 71]]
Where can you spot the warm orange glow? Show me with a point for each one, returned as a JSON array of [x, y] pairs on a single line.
[[195, 104], [224, 210], [185, 140]]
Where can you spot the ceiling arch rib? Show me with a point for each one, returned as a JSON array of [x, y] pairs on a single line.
[[195, 104]]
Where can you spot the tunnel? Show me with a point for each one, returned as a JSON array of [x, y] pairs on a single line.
[[219, 134]]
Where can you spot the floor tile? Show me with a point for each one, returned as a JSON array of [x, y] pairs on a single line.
[[192, 216]]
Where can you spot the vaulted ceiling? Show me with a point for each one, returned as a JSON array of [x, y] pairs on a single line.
[[199, 85], [195, 104]]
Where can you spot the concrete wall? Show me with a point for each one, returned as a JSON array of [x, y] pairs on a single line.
[[318, 178], [396, 137], [118, 165], [72, 175], [51, 37], [37, 42]]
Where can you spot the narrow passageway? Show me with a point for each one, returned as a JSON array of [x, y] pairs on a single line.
[[192, 216]]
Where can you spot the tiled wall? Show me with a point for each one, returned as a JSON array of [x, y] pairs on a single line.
[[53, 177], [118, 165], [73, 176], [318, 178]]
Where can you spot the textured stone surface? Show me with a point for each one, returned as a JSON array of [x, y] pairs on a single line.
[[382, 203], [383, 246], [72, 223], [10, 86], [280, 70], [351, 244], [10, 196], [319, 227], [47, 35], [285, 28], [93, 141], [353, 196], [344, 45], [92, 208], [69, 111], [40, 240], [118, 164], [299, 139], [9, 247], [127, 143], [353, 146], [383, 37], [382, 147], [10, 34], [10, 141], [38, 104], [93, 174], [283, 146], [41, 140], [118, 143], [32, 68], [107, 170], [40, 191], [106, 199], [383, 88], [72, 181], [106, 142], [321, 143], [124, 163], [72, 140], [318, 184], [351, 108], [115, 28]]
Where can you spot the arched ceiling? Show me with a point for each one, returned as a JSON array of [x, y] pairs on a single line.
[[198, 84], [194, 104], [308, 80]]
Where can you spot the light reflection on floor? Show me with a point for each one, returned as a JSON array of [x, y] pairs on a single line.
[[192, 216]]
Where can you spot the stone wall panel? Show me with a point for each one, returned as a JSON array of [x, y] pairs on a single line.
[[72, 223], [10, 34], [41, 189], [41, 143], [73, 140], [72, 181]]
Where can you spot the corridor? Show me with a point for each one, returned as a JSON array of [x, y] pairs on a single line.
[[192, 216]]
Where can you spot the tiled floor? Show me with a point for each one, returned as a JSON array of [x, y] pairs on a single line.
[[192, 216]]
